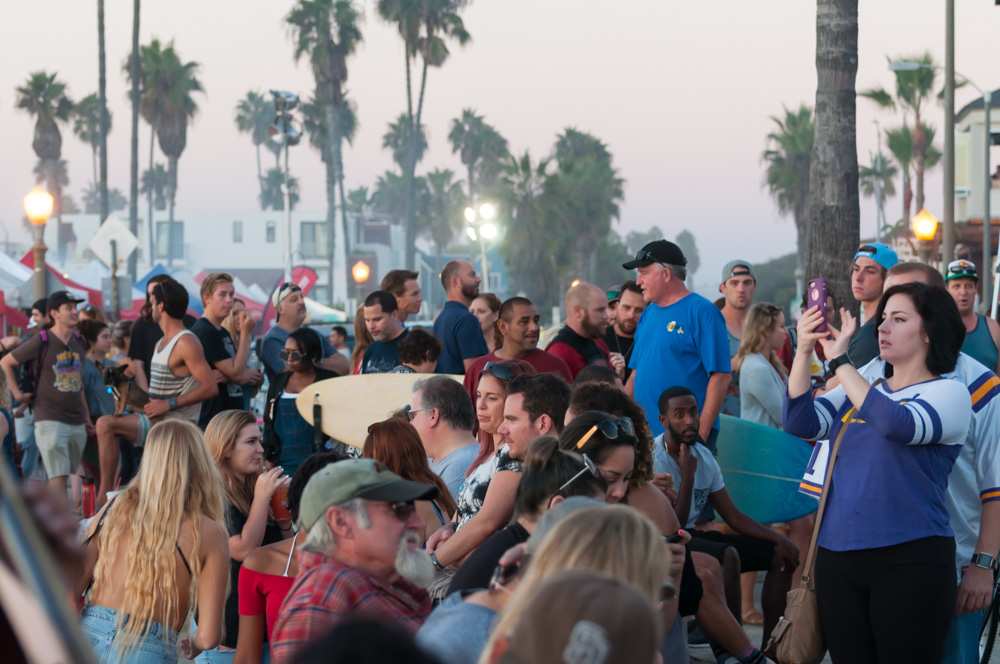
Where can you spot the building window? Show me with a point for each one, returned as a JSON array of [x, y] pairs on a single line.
[[313, 242], [170, 245], [237, 232], [320, 294], [270, 232]]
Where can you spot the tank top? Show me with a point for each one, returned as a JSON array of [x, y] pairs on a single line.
[[163, 384], [979, 344]]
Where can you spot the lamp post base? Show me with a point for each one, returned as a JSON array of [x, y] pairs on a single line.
[[41, 274]]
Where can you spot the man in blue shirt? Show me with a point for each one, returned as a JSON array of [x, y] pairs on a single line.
[[458, 330], [290, 307], [681, 340]]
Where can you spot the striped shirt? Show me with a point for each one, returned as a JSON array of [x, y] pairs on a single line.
[[163, 384]]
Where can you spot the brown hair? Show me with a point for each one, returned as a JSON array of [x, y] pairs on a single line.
[[362, 337], [212, 281], [610, 399], [395, 281], [931, 276], [486, 444], [761, 321], [494, 303], [221, 435], [396, 444]]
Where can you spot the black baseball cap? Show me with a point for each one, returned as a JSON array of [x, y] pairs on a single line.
[[657, 251], [61, 297]]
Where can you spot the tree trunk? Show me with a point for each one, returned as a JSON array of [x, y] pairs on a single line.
[[133, 188], [834, 208], [172, 184], [919, 159], [332, 136], [411, 169], [93, 163], [102, 84], [150, 224], [472, 189], [260, 174]]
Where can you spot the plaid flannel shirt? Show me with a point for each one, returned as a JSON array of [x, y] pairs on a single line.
[[327, 591]]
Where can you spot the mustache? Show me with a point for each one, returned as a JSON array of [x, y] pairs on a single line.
[[412, 562]]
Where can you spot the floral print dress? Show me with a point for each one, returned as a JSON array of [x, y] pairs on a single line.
[[473, 493]]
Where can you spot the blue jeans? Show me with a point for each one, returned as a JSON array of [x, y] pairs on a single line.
[[961, 646], [157, 646], [216, 656]]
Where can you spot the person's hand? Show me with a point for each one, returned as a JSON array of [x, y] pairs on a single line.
[[268, 481], [246, 323], [688, 461], [838, 341], [188, 649], [218, 376], [976, 590], [131, 367], [806, 330], [254, 377], [787, 553], [156, 407], [439, 536], [663, 481], [617, 361], [89, 427]]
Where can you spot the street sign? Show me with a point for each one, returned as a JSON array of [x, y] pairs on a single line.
[[113, 229]]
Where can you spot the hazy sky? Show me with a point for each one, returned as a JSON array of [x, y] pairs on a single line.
[[681, 92]]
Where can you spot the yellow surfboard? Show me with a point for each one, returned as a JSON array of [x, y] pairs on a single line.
[[350, 404]]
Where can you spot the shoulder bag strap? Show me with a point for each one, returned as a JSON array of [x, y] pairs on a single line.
[[807, 567], [97, 530]]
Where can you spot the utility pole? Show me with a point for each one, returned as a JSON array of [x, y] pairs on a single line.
[[948, 228]]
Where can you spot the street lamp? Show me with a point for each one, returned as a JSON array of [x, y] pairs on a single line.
[[360, 272], [286, 132], [481, 227], [925, 227], [38, 206]]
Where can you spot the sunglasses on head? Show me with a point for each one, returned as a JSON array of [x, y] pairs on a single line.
[[292, 355], [588, 467], [611, 428], [287, 288], [502, 370]]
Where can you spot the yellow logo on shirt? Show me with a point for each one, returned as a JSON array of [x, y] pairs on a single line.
[[672, 326]]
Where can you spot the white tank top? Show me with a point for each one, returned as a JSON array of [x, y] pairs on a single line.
[[163, 384]]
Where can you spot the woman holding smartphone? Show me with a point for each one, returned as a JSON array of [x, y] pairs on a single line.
[[885, 577]]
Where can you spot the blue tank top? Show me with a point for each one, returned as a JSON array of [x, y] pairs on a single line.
[[979, 344]]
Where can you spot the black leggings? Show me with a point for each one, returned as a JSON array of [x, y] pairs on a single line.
[[887, 605]]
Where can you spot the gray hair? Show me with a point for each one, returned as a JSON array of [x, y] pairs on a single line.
[[449, 398], [678, 271], [320, 538]]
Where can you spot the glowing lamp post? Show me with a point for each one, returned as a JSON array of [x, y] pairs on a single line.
[[482, 228], [38, 206], [360, 272], [925, 228]]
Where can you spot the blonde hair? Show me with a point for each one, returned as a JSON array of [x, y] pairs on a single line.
[[176, 483], [614, 541], [221, 435], [759, 324], [212, 281]]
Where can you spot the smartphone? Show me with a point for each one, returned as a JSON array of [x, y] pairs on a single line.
[[816, 296]]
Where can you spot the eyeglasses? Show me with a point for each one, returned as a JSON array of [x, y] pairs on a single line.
[[403, 511], [611, 428], [588, 467], [287, 289], [411, 413], [502, 370], [292, 355]]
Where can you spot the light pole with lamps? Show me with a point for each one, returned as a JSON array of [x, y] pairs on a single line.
[[482, 228], [286, 132], [38, 206]]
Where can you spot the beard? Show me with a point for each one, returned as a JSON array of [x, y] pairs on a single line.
[[628, 326], [414, 564], [591, 330], [470, 291]]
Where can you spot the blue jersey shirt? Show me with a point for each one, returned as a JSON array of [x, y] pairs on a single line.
[[460, 336], [680, 344]]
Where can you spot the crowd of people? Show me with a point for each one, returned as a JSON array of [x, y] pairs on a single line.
[[526, 504]]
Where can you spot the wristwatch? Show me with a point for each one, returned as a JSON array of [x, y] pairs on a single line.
[[836, 363], [172, 403], [984, 560], [437, 563]]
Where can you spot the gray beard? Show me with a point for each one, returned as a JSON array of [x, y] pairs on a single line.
[[414, 565]]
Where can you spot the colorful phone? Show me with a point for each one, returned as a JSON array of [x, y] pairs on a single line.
[[816, 296]]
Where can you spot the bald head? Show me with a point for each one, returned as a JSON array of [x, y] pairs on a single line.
[[587, 310]]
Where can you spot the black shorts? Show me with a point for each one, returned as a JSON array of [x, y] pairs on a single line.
[[690, 592], [755, 554]]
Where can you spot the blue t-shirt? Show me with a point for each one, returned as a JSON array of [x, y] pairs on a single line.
[[273, 343], [680, 344], [451, 469], [382, 356], [456, 631], [460, 336]]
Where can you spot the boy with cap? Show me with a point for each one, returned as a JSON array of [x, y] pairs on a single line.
[[681, 339], [290, 313], [982, 334], [362, 552], [57, 396], [868, 271], [737, 287]]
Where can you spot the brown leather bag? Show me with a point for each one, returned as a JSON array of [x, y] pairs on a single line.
[[798, 638]]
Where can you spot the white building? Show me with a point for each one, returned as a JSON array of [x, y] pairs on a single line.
[[970, 156]]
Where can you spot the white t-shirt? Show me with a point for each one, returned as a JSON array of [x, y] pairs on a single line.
[[707, 475]]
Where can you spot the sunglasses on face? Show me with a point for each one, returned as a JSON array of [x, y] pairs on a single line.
[[611, 428], [411, 413], [290, 355], [403, 511], [588, 467]]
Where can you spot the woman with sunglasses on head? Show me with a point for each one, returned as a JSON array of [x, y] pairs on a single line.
[[268, 573], [884, 569], [396, 444], [288, 437]]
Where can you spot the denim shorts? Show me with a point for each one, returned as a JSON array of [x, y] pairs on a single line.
[[157, 646]]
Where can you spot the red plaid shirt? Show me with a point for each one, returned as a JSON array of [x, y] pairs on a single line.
[[326, 591]]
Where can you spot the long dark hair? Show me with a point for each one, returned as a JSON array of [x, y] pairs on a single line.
[[940, 320], [610, 399]]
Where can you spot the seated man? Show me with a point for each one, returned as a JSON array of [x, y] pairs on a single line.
[[698, 480]]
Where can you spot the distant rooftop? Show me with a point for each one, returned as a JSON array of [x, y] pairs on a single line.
[[977, 105]]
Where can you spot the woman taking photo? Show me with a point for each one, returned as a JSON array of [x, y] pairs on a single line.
[[486, 309], [396, 444], [157, 552], [288, 437], [233, 440], [885, 576]]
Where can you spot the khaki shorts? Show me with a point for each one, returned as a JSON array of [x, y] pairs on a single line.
[[60, 445]]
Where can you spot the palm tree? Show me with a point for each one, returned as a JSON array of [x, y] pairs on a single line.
[[900, 144], [390, 195], [480, 147], [445, 203], [87, 126], [834, 208], [155, 183], [132, 65], [876, 181], [92, 199], [314, 123], [914, 89], [328, 32], [358, 201], [787, 156], [272, 195], [254, 116], [425, 26], [397, 140]]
